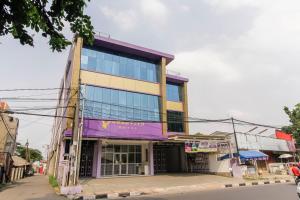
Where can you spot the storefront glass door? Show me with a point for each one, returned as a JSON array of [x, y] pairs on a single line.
[[120, 160], [120, 164]]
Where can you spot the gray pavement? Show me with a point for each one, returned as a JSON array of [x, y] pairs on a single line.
[[31, 188], [265, 192]]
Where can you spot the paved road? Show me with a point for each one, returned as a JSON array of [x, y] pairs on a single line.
[[266, 192], [31, 188]]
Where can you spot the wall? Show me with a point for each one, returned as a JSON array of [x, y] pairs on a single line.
[[216, 166]]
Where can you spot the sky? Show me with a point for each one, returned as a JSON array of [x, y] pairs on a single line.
[[241, 57]]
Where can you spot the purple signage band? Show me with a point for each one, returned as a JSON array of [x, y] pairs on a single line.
[[121, 130]]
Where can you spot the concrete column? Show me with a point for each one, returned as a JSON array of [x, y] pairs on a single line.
[[98, 171], [12, 176], [185, 108], [19, 173], [163, 97], [151, 161], [22, 171], [16, 174], [95, 160]]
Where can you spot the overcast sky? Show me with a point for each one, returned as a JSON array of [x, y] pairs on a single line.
[[241, 56]]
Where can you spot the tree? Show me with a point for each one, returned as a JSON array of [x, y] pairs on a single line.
[[35, 154], [294, 128], [17, 17]]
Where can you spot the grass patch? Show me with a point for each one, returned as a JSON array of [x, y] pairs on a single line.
[[53, 182]]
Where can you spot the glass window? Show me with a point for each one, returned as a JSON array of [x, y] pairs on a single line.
[[174, 92], [129, 99], [115, 65], [118, 65], [116, 104], [122, 98], [175, 121], [115, 97], [100, 62], [106, 95], [137, 100], [143, 71]]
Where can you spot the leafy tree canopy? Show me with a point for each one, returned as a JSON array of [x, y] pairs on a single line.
[[294, 128], [35, 154], [18, 17]]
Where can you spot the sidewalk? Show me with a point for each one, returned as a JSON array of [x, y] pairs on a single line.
[[164, 184], [30, 188]]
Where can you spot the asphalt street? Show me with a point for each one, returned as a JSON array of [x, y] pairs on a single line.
[[265, 192]]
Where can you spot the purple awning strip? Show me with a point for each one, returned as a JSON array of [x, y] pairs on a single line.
[[121, 130]]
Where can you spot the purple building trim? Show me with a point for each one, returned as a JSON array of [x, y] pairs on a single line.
[[121, 130], [176, 79], [117, 45]]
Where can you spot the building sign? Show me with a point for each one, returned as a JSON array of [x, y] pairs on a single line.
[[200, 146], [206, 146], [284, 136], [121, 130]]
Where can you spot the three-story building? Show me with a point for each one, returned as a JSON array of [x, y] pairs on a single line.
[[129, 103]]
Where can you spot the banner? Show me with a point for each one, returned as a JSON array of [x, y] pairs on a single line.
[[206, 146], [201, 146]]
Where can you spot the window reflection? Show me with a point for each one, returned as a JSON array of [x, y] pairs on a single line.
[[118, 65]]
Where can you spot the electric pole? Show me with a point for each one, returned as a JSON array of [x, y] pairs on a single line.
[[27, 152]]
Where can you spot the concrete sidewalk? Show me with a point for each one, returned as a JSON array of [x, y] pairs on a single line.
[[164, 184], [30, 188]]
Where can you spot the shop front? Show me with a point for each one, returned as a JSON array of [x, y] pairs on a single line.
[[190, 154]]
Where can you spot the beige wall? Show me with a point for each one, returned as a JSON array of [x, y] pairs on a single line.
[[216, 166], [175, 106], [7, 143], [109, 81]]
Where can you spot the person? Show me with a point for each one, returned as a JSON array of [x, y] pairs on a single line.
[[296, 172]]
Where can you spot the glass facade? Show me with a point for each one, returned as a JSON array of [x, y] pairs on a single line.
[[117, 160], [175, 121], [104, 103], [118, 65], [174, 92]]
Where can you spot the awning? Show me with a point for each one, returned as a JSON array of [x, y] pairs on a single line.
[[248, 155], [253, 155]]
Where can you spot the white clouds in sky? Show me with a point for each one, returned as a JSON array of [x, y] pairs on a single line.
[[125, 19], [206, 61], [154, 10]]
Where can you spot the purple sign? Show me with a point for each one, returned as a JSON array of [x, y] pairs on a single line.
[[121, 130]]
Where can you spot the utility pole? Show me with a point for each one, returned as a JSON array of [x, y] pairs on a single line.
[[75, 142], [27, 152], [235, 138]]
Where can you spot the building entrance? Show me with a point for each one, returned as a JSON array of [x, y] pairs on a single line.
[[121, 160], [86, 159], [120, 163]]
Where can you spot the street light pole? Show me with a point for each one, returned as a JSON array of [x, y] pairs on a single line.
[[235, 138]]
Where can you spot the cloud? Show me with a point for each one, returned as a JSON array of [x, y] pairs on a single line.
[[155, 10], [125, 19], [229, 5], [206, 62]]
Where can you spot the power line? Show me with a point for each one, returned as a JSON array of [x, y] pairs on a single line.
[[33, 89]]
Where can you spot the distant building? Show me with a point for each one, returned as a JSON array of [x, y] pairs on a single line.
[[273, 145], [8, 133]]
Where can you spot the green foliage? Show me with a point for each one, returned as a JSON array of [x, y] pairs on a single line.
[[47, 17], [294, 128], [53, 182], [35, 154]]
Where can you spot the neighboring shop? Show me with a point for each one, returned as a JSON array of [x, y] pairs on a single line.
[[191, 154]]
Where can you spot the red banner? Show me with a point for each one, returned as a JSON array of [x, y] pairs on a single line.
[[284, 136]]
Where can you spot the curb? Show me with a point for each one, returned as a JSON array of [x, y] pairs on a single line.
[[134, 194]]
